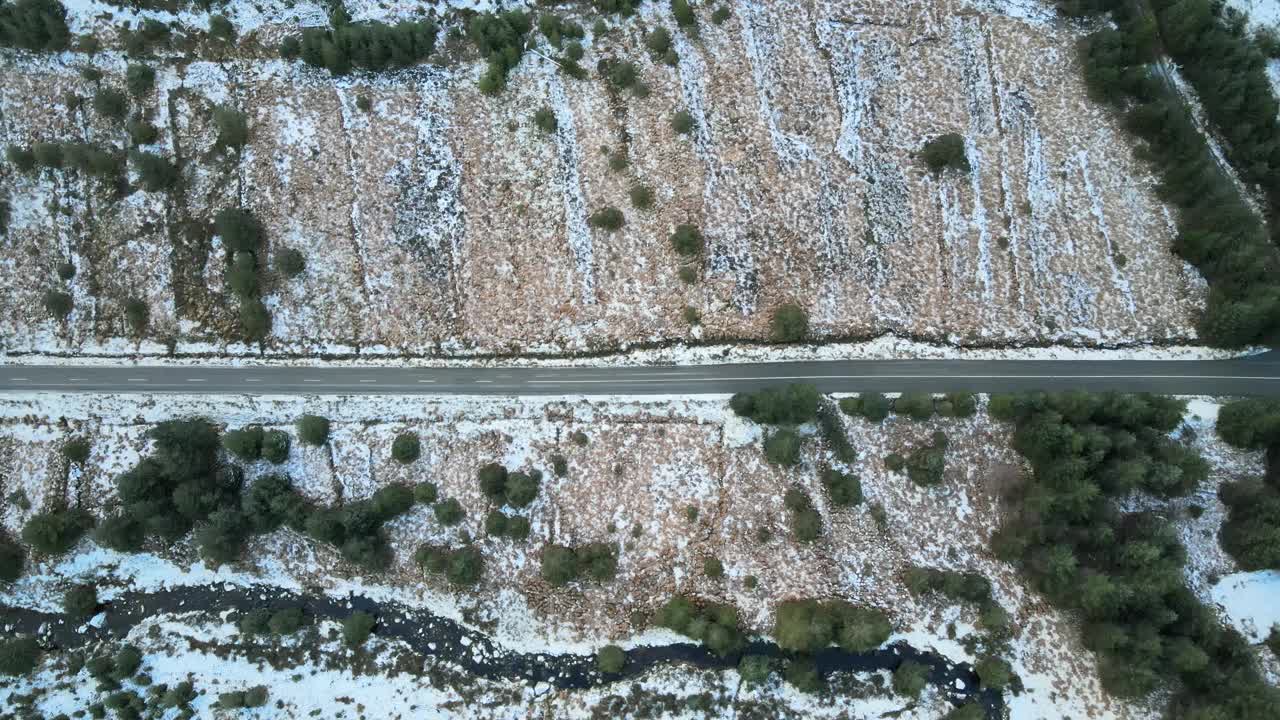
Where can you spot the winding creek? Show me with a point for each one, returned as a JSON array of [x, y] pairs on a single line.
[[444, 639]]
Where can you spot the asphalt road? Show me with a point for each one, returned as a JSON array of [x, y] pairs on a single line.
[[1257, 375]]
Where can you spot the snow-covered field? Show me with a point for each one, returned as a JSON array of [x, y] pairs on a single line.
[[646, 463], [442, 222]]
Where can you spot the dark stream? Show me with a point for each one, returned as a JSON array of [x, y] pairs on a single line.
[[434, 636]]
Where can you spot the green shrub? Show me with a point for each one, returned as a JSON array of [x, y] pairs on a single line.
[[522, 488], [369, 45], [425, 493], [80, 601], [845, 489], [611, 659], [607, 218], [713, 568], [287, 621], [969, 711], [545, 120], [790, 323], [993, 672], [21, 158], [462, 567], [682, 122], [641, 197], [232, 126], [448, 512], [1251, 532], [290, 262], [806, 523], [493, 482], [56, 531], [357, 628], [222, 538], [48, 155], [687, 241], [255, 622], [242, 277], [141, 132], [715, 626], [18, 655], [945, 151], [721, 14], [406, 448], [755, 670], [872, 406], [76, 450], [155, 173], [683, 14], [562, 565], [803, 674], [500, 38], [917, 406], [926, 465], [110, 103], [221, 28], [658, 41], [808, 626], [138, 315], [782, 447], [792, 404], [618, 161], [140, 79], [58, 304], [910, 679], [34, 25], [313, 430], [275, 446], [12, 558]]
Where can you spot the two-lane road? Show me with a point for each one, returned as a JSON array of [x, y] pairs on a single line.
[[1257, 375]]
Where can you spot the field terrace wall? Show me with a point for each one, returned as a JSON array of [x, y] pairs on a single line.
[[443, 221]]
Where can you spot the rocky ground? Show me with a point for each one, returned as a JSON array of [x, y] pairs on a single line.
[[441, 220]]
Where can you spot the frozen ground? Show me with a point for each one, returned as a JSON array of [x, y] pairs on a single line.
[[646, 463], [441, 222]]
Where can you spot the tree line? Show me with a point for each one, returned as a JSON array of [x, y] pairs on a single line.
[[1217, 230], [1123, 572]]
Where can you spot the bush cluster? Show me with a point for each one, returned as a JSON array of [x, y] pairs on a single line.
[[54, 532], [715, 625], [18, 655], [872, 406], [793, 404], [264, 621], [782, 447], [926, 463], [253, 443], [556, 30], [155, 172], [1251, 533], [1122, 571], [806, 523], [181, 483], [833, 432], [845, 489], [607, 218], [499, 524], [105, 163], [357, 628], [366, 46], [562, 565], [462, 567], [12, 558], [34, 25], [790, 323], [516, 489], [945, 151], [807, 626], [500, 38]]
